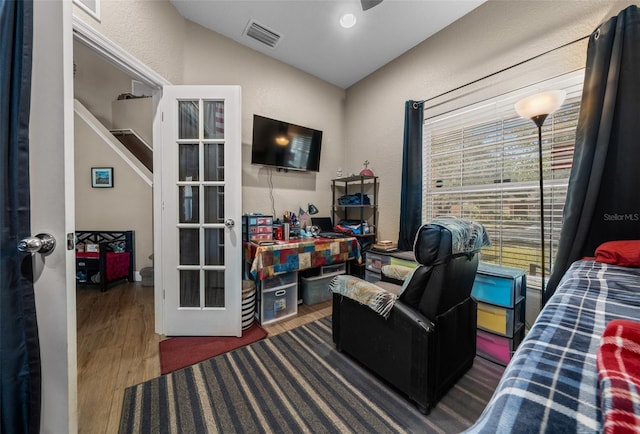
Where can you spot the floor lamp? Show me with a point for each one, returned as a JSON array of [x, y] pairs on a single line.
[[537, 108]]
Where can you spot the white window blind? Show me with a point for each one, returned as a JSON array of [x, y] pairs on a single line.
[[481, 162]]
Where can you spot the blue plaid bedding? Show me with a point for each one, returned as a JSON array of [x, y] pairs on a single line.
[[550, 385]]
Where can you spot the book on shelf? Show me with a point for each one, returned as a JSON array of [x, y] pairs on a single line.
[[385, 246]]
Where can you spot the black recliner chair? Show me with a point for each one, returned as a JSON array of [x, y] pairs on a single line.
[[428, 340]]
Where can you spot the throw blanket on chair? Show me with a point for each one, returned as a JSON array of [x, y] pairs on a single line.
[[378, 299], [398, 272], [466, 235], [619, 376]]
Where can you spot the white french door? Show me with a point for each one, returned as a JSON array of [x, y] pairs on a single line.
[[51, 167], [201, 210]]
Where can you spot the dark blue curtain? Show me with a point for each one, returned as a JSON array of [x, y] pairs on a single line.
[[411, 188], [603, 199], [19, 348]]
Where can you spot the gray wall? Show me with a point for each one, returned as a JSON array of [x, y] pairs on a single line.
[[97, 83], [127, 206], [186, 53], [366, 121], [493, 37]]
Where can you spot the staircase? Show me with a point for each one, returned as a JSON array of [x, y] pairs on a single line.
[[125, 142], [136, 145]]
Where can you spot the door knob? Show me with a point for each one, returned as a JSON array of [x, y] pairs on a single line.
[[229, 223], [41, 243]]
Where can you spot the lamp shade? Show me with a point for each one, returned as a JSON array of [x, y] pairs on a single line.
[[543, 103]]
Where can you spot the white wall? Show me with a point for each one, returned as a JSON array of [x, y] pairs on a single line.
[[186, 53], [366, 121], [151, 31], [273, 89], [126, 206], [494, 36], [97, 83], [135, 114]]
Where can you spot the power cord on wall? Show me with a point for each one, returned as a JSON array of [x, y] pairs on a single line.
[[273, 206]]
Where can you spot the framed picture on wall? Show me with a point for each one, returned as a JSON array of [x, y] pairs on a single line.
[[102, 177]]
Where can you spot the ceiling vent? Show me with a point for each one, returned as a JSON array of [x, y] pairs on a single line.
[[262, 34]]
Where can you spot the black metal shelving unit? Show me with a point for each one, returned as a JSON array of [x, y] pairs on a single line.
[[357, 184]]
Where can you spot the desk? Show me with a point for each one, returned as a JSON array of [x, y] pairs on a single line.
[[275, 268], [296, 255]]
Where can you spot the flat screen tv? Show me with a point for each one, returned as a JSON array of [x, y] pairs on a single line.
[[284, 145]]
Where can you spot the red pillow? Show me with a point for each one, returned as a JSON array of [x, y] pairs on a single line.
[[624, 253]]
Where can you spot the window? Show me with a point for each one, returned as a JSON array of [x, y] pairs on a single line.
[[92, 7], [481, 162]]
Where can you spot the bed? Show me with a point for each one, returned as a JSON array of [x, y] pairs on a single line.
[[551, 383], [105, 258]]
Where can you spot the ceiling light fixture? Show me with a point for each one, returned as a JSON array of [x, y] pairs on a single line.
[[348, 20]]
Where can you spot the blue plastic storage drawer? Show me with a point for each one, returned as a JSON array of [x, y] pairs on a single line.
[[502, 286]]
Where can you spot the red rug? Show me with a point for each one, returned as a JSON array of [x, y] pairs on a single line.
[[180, 352]]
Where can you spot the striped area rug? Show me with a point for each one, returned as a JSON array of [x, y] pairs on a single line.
[[291, 383]]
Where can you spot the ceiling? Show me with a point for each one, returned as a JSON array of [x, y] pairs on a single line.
[[311, 38]]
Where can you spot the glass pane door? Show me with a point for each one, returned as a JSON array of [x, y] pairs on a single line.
[[201, 203]]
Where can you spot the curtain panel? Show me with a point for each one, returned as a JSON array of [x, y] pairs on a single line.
[[19, 347], [411, 187], [603, 203]]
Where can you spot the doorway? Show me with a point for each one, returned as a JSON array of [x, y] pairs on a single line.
[[118, 337], [231, 203]]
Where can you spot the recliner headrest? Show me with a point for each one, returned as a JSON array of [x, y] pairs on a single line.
[[447, 236]]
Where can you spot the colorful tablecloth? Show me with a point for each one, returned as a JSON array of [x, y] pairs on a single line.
[[267, 261]]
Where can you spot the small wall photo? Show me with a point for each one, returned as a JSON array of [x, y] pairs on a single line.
[[102, 177]]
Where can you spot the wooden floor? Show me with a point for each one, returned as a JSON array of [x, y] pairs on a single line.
[[117, 348]]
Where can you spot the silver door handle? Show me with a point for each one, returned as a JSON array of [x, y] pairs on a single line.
[[41, 243], [229, 223]]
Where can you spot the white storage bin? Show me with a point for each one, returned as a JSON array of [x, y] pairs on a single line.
[[279, 303], [279, 280], [340, 268], [372, 276], [375, 262], [316, 289]]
